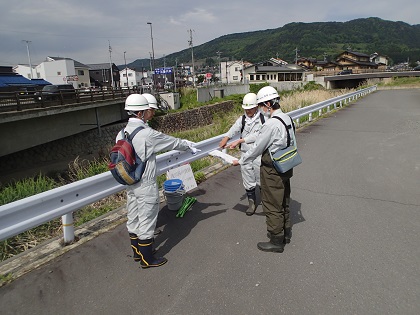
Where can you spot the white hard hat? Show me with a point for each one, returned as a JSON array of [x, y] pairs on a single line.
[[249, 101], [152, 100], [136, 102], [267, 93]]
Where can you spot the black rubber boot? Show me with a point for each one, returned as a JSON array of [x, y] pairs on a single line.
[[275, 244], [287, 221], [287, 235], [251, 201], [147, 259], [134, 246]]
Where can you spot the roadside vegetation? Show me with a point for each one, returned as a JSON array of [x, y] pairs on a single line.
[[405, 82], [79, 169]]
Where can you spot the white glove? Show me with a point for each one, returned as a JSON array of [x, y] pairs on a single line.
[[191, 146], [194, 150]]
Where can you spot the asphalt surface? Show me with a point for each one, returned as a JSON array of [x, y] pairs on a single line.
[[355, 245]]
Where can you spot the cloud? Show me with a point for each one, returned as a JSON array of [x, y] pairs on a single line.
[[194, 16], [81, 29]]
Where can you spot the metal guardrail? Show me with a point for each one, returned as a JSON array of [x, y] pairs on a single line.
[[24, 214]]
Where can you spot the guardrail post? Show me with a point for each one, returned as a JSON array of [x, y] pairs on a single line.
[[328, 108], [320, 113], [297, 122], [68, 227], [310, 116]]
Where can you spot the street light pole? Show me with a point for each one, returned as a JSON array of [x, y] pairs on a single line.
[[126, 75], [29, 56], [153, 53]]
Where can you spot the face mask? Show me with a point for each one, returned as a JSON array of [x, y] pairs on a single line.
[[266, 114]]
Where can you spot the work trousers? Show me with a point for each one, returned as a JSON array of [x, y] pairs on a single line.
[[275, 196], [142, 209], [251, 174]]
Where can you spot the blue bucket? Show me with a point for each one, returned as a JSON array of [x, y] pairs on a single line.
[[172, 185]]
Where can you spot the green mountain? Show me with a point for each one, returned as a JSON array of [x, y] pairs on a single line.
[[397, 40]]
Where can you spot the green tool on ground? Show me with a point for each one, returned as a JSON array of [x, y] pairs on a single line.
[[186, 205]]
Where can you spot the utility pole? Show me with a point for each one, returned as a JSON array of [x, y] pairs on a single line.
[[175, 72], [164, 70], [151, 67], [153, 54], [218, 53], [29, 55], [190, 42], [110, 65], [296, 55], [126, 75]]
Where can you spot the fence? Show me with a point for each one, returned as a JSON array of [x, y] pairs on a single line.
[[22, 215]]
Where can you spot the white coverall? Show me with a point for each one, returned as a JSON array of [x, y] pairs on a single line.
[[143, 197], [250, 171]]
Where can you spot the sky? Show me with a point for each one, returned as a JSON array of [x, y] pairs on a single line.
[[84, 30]]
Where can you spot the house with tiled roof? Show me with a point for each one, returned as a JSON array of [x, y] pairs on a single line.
[[381, 60], [356, 61]]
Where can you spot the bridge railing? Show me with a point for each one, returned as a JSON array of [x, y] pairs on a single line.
[[27, 213], [17, 101]]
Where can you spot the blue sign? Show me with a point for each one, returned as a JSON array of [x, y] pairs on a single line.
[[163, 70]]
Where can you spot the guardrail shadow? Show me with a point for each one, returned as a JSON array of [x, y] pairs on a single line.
[[174, 230]]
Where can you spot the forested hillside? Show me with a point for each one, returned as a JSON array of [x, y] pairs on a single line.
[[398, 40]]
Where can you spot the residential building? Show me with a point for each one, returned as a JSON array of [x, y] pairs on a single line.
[[356, 61], [131, 77], [10, 81], [58, 70], [273, 70], [231, 72], [25, 71], [100, 75], [381, 60]]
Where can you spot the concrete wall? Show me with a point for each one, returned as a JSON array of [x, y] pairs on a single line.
[[57, 154], [205, 94]]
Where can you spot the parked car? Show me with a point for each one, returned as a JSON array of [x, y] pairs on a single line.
[[27, 90], [168, 86], [54, 92], [344, 72], [417, 68]]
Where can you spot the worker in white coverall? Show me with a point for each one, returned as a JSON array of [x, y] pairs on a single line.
[[248, 125], [151, 100], [143, 197]]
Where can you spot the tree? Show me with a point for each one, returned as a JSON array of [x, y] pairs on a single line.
[[210, 62], [214, 78], [200, 79]]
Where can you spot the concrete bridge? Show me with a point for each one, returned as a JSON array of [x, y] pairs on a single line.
[[355, 80], [41, 125]]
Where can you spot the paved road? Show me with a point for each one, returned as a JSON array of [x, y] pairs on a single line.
[[355, 247]]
